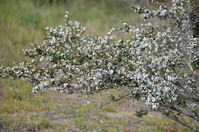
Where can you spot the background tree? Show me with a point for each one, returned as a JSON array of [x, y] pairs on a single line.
[[154, 63]]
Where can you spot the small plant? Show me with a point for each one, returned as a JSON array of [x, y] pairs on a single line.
[[155, 63]]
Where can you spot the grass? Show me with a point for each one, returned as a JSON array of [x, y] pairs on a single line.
[[162, 124], [17, 96], [26, 122], [21, 22], [103, 124], [109, 108]]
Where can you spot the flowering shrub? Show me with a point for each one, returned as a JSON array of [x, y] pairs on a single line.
[[156, 63]]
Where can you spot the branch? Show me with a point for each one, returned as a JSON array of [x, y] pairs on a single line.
[[173, 117]]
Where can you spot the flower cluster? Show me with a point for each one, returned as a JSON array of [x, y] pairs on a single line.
[[155, 63]]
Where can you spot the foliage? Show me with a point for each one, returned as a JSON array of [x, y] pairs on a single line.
[[155, 63]]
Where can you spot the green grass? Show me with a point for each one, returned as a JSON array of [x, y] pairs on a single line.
[[163, 124], [22, 22], [17, 96], [103, 124], [109, 108], [26, 122]]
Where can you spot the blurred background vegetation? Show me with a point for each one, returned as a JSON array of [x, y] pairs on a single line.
[[21, 22]]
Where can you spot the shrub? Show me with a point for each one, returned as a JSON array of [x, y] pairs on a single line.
[[154, 63]]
